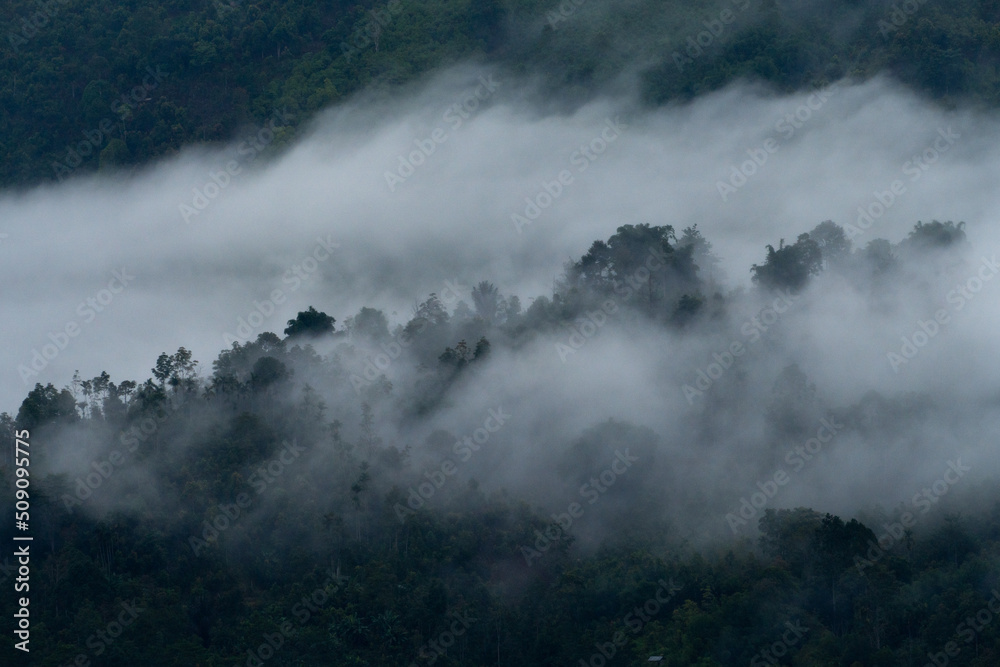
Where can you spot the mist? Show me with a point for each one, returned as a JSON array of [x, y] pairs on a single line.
[[388, 199]]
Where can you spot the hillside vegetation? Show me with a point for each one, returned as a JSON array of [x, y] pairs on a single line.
[[111, 84]]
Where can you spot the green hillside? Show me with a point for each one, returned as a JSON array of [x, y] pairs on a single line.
[[102, 84]]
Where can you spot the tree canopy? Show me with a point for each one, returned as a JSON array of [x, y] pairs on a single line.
[[286, 490]]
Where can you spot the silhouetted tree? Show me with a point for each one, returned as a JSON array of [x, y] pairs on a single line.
[[370, 324], [46, 405], [310, 323], [486, 299], [788, 267]]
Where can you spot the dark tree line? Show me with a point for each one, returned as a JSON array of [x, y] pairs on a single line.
[[225, 506]]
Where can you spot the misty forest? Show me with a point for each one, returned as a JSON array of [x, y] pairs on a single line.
[[500, 332]]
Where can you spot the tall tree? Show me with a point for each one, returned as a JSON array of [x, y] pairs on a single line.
[[310, 323], [788, 267], [486, 299]]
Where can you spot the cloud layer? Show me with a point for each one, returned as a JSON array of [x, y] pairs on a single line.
[[384, 201]]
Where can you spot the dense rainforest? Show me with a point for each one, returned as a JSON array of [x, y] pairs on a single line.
[[443, 487], [114, 85], [282, 508]]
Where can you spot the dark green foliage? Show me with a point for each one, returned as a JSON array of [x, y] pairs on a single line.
[[789, 267], [640, 265], [46, 405], [249, 499], [310, 323], [934, 235], [176, 370], [687, 308], [266, 372], [106, 85], [482, 349], [612, 262]]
